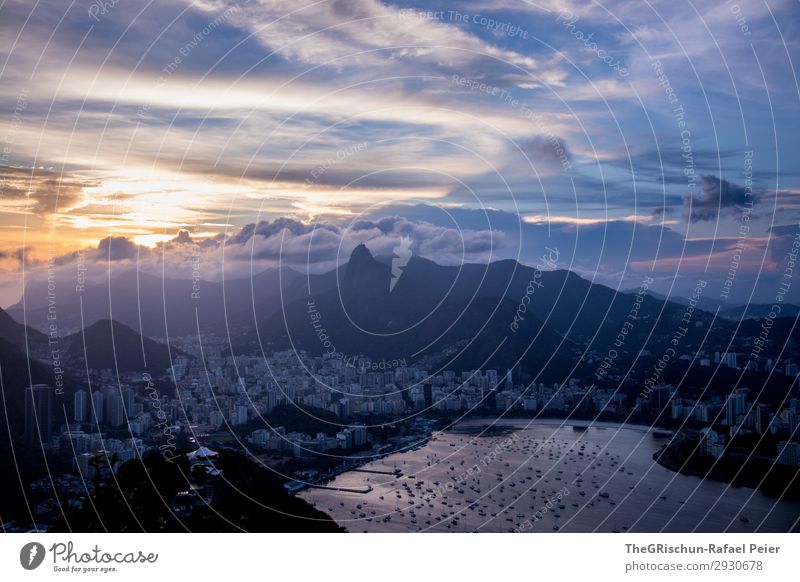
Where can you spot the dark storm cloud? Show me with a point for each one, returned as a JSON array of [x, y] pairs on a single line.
[[718, 195]]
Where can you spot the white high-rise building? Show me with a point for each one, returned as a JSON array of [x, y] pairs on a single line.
[[735, 407], [731, 359]]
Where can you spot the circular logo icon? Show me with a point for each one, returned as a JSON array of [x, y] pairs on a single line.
[[31, 555]]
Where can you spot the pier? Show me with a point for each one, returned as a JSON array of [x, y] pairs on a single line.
[[362, 490], [395, 473]]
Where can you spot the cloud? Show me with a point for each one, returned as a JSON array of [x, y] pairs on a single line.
[[550, 150], [266, 229], [240, 129], [355, 33], [781, 244], [184, 238], [662, 212], [116, 248], [284, 242], [718, 195], [321, 245], [39, 192], [616, 253]]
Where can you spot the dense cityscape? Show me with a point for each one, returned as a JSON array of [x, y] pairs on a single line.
[[371, 409]]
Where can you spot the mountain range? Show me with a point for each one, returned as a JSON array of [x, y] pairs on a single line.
[[154, 306], [28, 357], [731, 312], [498, 315], [501, 315], [115, 346]]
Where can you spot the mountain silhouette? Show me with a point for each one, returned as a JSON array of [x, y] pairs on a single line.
[[460, 315], [157, 306], [431, 309], [115, 346], [16, 333], [365, 285], [19, 371]]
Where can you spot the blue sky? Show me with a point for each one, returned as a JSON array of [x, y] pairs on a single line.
[[638, 137]]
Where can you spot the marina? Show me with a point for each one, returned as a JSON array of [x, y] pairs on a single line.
[[546, 476]]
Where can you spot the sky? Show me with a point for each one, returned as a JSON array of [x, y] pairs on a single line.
[[639, 139]]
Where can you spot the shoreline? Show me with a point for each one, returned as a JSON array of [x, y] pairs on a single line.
[[762, 481]]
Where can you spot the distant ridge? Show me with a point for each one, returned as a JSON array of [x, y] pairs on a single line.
[[115, 346], [158, 306]]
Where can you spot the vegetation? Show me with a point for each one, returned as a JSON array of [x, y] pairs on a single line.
[[244, 497]]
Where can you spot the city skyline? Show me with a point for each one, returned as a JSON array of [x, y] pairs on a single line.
[[510, 266]]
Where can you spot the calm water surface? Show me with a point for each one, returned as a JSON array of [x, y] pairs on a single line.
[[542, 477]]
